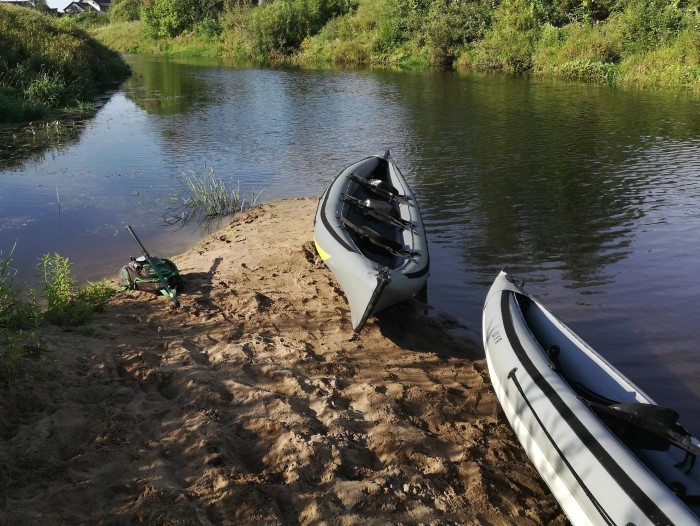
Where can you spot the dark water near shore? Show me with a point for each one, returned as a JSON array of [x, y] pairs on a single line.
[[590, 195]]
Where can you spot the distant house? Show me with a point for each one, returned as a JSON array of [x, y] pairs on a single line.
[[87, 6]]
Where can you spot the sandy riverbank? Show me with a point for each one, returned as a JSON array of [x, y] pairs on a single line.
[[254, 404]]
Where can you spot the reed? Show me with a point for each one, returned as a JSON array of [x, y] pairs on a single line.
[[204, 198]]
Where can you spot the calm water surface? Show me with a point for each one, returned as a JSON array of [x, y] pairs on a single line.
[[590, 195]]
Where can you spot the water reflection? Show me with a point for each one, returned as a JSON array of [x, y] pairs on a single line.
[[537, 174], [28, 142], [168, 86]]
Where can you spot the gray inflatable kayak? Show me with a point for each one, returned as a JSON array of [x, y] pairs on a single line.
[[610, 455], [369, 232]]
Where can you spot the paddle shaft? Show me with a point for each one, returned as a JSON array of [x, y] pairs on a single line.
[[153, 265]]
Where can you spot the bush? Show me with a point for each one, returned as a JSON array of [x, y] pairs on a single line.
[[282, 26], [579, 51], [649, 24], [451, 25], [169, 18], [510, 42], [125, 10]]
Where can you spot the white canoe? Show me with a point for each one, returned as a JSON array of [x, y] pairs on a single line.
[[369, 232], [609, 455]]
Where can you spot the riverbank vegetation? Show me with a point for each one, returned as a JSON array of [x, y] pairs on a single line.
[[205, 199], [47, 66], [640, 42], [61, 303]]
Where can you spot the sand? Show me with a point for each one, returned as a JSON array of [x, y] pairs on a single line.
[[254, 403]]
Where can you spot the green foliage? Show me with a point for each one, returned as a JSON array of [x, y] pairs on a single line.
[[649, 24], [48, 64], [579, 51], [15, 311], [510, 42], [674, 65], [169, 18], [18, 315], [128, 37], [562, 12], [48, 90], [281, 26], [611, 41], [15, 108], [451, 25], [67, 305], [85, 21], [125, 10], [205, 198]]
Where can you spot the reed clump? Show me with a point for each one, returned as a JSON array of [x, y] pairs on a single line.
[[204, 198]]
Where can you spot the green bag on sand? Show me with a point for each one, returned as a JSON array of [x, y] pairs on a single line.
[[140, 275]]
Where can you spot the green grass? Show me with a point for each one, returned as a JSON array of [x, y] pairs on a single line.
[[47, 65], [21, 314], [207, 197], [16, 312], [66, 304]]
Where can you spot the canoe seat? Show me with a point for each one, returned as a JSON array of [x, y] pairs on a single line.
[[380, 210], [377, 240], [379, 187]]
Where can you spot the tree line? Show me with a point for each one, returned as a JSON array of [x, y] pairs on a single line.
[[656, 42]]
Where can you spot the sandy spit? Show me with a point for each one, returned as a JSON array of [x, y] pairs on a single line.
[[254, 404]]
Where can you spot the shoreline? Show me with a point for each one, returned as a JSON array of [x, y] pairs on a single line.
[[255, 403]]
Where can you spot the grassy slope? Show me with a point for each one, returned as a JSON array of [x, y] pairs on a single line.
[[44, 66]]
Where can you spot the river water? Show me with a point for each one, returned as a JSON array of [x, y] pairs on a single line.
[[589, 194]]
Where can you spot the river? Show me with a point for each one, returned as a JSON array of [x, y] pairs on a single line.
[[589, 194]]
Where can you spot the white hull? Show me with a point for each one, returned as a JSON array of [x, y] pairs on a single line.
[[598, 477]]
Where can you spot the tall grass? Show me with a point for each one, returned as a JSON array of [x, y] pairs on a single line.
[[16, 311], [21, 314], [19, 317], [66, 304], [45, 65], [207, 197]]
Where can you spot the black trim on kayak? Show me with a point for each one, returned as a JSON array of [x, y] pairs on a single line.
[[327, 224], [639, 497], [589, 494]]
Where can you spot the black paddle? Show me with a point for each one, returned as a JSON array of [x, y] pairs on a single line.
[[152, 262]]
